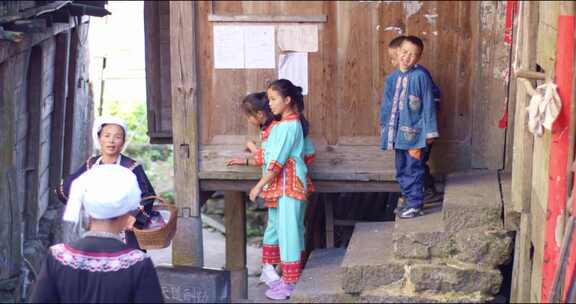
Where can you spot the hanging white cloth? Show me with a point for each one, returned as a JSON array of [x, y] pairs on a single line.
[[543, 109]]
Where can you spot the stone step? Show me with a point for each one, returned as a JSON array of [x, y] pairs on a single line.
[[443, 278], [369, 260], [422, 237], [320, 281], [394, 294], [472, 199]]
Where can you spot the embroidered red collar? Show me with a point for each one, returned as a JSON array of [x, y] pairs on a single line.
[[293, 116], [266, 132]]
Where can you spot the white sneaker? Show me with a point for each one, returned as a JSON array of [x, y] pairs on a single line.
[[269, 275]]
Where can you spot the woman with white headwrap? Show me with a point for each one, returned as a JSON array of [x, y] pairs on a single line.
[[109, 135], [100, 268]]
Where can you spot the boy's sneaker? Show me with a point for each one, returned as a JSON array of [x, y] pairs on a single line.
[[409, 212]]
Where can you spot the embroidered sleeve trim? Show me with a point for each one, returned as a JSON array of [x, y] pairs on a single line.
[[309, 159], [275, 166], [96, 262], [259, 156]]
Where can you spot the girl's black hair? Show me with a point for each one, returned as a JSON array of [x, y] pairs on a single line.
[[285, 88], [256, 102]]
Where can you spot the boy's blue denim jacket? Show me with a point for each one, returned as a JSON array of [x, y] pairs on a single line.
[[408, 110]]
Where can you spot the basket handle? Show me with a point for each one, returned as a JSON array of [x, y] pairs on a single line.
[[156, 197]]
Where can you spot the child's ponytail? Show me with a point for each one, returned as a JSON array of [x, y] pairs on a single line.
[[285, 88]]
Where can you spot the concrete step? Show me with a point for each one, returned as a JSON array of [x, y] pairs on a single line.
[[422, 237], [320, 281], [472, 199], [369, 260]]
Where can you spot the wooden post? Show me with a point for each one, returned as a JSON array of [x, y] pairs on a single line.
[[523, 156], [329, 221], [187, 245], [235, 221], [59, 114]]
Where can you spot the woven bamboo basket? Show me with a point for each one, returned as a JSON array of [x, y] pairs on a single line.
[[160, 237]]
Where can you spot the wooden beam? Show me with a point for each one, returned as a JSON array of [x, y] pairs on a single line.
[[187, 246], [235, 221], [329, 222], [521, 274], [322, 186], [531, 75], [269, 18], [59, 114], [523, 140]]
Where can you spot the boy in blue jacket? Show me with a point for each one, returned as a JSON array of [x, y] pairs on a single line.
[[408, 122]]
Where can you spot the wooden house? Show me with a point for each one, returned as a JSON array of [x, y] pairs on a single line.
[[484, 55], [195, 106], [45, 121]]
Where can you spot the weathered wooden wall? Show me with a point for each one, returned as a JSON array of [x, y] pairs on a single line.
[[34, 83], [530, 171], [463, 51]]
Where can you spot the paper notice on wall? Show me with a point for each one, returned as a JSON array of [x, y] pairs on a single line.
[[259, 47], [228, 47], [294, 67], [244, 47], [298, 38]]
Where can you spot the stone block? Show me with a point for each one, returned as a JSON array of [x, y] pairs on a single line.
[[422, 237], [483, 246], [369, 260], [320, 280], [472, 199], [357, 278], [423, 245], [401, 294], [439, 278]]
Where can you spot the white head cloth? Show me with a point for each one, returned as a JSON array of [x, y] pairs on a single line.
[[104, 120], [106, 191]]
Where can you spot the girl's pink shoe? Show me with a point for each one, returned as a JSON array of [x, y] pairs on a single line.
[[281, 291]]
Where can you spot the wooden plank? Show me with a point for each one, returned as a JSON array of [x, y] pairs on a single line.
[[270, 18], [235, 222], [522, 268], [487, 138], [329, 222], [523, 140], [320, 186], [332, 163], [9, 49], [152, 65], [187, 248]]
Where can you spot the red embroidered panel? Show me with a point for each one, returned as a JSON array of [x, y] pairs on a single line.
[[294, 186], [291, 271], [270, 254]]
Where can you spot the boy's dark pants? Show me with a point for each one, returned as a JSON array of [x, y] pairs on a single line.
[[428, 181], [410, 176]]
